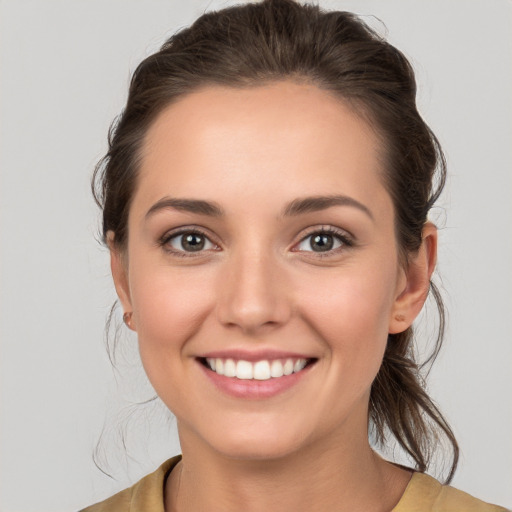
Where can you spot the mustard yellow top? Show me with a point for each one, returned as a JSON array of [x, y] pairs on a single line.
[[423, 494]]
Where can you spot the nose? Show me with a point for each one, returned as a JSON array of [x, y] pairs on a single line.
[[253, 294]]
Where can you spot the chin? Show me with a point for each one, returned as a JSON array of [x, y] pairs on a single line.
[[258, 443]]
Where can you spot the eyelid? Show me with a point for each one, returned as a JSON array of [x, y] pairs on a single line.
[[346, 239], [164, 240]]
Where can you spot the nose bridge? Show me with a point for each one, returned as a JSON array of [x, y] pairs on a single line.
[[252, 291]]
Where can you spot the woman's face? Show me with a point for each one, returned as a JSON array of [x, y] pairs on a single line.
[[261, 238]]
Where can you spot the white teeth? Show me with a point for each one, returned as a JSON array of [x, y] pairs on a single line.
[[298, 366], [288, 367], [230, 368], [276, 369], [261, 370], [244, 370]]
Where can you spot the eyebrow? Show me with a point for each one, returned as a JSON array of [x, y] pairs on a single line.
[[317, 203], [296, 207], [198, 206]]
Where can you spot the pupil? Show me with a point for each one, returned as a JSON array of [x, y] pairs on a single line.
[[193, 242], [322, 242]]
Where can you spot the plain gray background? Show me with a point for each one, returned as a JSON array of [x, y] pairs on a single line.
[[65, 66]]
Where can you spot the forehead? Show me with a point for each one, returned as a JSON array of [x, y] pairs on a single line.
[[222, 140]]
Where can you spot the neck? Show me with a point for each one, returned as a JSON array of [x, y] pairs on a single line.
[[347, 476]]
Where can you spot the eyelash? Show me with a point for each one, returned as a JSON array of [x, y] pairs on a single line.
[[345, 239], [164, 241]]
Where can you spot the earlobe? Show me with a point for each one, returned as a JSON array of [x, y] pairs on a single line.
[[412, 295], [119, 268]]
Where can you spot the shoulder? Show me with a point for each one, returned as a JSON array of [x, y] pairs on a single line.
[[425, 494], [147, 494]]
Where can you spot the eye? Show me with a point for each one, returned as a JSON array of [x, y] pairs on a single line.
[[324, 240], [190, 241]]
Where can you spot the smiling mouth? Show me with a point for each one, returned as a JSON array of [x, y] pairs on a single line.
[[257, 370]]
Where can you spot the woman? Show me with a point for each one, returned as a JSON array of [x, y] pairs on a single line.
[[265, 200]]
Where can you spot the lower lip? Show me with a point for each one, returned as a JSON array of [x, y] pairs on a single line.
[[252, 388]]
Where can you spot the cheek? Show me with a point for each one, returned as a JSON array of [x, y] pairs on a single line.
[[350, 313], [169, 309]]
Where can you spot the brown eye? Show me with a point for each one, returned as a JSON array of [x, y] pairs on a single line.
[[324, 241], [189, 241], [320, 242]]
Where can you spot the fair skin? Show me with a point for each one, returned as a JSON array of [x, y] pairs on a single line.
[[256, 284]]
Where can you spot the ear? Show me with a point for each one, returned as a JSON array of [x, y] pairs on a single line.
[[119, 268], [414, 284]]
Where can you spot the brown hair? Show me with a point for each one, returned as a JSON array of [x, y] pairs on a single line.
[[257, 43]]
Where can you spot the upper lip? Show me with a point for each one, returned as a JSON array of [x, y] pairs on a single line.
[[254, 355]]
